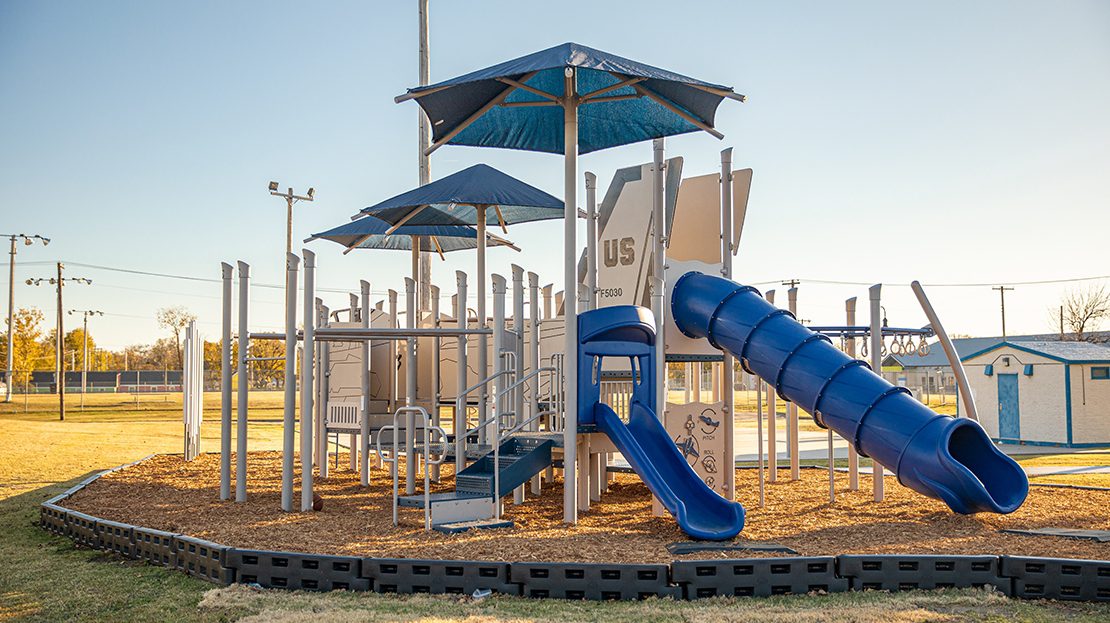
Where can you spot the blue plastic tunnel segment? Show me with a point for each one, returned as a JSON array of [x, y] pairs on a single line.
[[628, 332], [949, 459]]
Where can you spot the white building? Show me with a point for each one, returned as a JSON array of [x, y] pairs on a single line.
[[1043, 392]]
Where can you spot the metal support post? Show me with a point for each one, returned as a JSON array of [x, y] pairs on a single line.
[[308, 387], [243, 387], [225, 381], [877, 365], [289, 422]]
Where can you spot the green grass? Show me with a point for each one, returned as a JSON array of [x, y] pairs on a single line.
[[46, 578]]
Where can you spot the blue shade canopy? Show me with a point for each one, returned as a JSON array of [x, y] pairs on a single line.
[[452, 201], [369, 233], [515, 105]]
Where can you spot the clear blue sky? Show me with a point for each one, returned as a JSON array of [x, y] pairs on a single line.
[[942, 141]]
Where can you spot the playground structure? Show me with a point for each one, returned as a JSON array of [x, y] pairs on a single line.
[[385, 386]]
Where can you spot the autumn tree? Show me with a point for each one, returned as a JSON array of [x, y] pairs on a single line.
[[1083, 310], [176, 319], [28, 350]]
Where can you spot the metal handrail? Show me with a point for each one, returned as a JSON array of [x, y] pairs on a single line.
[[420, 411], [524, 379]]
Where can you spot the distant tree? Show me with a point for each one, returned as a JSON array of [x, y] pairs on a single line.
[[1083, 310], [212, 352], [75, 343], [176, 319], [28, 350], [267, 374]]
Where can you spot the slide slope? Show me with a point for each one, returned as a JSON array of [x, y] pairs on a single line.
[[950, 459], [645, 444]]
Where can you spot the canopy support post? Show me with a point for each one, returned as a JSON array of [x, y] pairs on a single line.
[[570, 296], [308, 386], [289, 419]]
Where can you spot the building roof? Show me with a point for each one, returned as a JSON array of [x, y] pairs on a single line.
[[1067, 352], [969, 346]]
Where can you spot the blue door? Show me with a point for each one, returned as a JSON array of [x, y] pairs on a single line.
[[1009, 415]]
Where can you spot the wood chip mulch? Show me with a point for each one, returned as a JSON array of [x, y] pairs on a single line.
[[167, 493]]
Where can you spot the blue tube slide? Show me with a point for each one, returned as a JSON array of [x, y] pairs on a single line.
[[950, 459], [628, 332]]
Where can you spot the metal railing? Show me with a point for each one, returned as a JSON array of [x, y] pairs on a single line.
[[391, 458]]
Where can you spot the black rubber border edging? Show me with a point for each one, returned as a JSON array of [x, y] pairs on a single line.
[[1020, 576]]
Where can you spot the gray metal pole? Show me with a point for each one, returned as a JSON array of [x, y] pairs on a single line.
[[534, 359], [874, 292], [364, 425], [792, 408], [518, 359], [59, 351], [498, 362], [11, 322], [435, 371], [289, 421], [394, 383], [570, 299], [483, 356], [548, 294], [729, 376], [658, 286], [772, 421], [320, 447], [308, 386], [410, 388], [853, 456], [243, 385], [460, 400], [225, 382], [591, 241]]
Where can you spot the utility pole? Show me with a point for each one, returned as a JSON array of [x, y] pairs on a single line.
[[1002, 293], [423, 161], [85, 348], [59, 333], [27, 240]]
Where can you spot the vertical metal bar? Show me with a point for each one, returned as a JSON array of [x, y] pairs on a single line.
[[59, 350], [364, 381], [289, 420], [11, 323], [658, 286], [729, 366], [320, 452], [591, 241], [394, 383], [434, 306], [243, 385], [308, 386], [410, 389], [759, 438], [874, 293], [225, 381], [853, 456], [483, 355], [499, 366], [460, 397], [570, 303], [534, 360], [518, 360], [772, 421], [792, 408]]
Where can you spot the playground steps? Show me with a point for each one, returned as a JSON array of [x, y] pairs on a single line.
[[519, 458], [473, 498]]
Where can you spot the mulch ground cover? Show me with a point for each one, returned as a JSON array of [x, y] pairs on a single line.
[[168, 493]]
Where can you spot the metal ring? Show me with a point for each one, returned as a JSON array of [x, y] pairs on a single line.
[[911, 346], [923, 349]]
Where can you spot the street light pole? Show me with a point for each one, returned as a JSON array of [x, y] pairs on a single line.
[[27, 240], [59, 337], [85, 348], [1002, 293]]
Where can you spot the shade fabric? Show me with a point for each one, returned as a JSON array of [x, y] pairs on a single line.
[[625, 115], [451, 200], [369, 233]]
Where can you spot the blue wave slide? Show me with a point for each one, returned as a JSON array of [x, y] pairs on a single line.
[[946, 458], [628, 332]]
